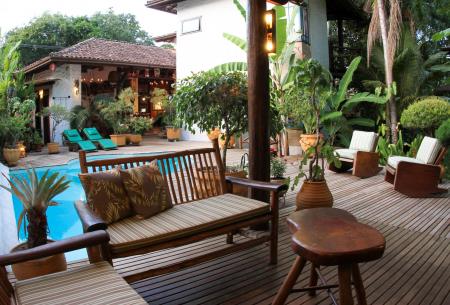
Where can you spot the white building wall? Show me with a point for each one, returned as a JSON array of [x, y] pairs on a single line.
[[8, 232], [62, 89]]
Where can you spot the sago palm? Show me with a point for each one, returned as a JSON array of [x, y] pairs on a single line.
[[36, 195]]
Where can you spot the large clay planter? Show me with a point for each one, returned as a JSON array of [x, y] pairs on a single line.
[[36, 147], [38, 267], [205, 180], [222, 141], [53, 148], [119, 139], [128, 137], [11, 155], [173, 134], [314, 195], [135, 139], [308, 140]]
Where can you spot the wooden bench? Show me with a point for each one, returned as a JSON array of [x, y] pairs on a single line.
[[197, 183]]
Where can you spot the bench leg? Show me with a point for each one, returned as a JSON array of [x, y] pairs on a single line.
[[345, 286], [274, 229], [289, 282], [230, 238]]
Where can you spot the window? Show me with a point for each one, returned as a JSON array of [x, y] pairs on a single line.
[[301, 25], [191, 25]]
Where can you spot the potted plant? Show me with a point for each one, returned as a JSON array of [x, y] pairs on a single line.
[[58, 114], [13, 128], [277, 172], [117, 115], [36, 195], [37, 142], [170, 120], [314, 191], [138, 126]]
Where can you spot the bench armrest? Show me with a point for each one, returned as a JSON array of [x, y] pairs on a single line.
[[90, 221], [60, 246], [260, 185]]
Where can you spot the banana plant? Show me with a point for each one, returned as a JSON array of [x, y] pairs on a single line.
[[340, 102]]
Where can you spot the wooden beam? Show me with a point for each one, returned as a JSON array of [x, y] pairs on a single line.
[[258, 97]]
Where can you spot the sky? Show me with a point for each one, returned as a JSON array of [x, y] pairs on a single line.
[[16, 13]]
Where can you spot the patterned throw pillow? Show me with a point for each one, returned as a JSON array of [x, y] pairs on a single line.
[[147, 190], [106, 195]]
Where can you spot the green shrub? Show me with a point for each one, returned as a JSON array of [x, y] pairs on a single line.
[[139, 125], [426, 114], [443, 133], [277, 168]]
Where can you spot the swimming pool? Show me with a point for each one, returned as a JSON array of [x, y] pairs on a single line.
[[63, 221]]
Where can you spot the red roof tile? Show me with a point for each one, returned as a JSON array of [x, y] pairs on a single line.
[[111, 52]]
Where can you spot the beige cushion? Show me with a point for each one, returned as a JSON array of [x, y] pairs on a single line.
[[147, 190], [183, 220], [363, 141], [428, 150], [94, 284], [394, 160], [346, 153]]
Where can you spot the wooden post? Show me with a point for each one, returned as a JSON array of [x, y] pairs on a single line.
[[258, 97], [135, 86]]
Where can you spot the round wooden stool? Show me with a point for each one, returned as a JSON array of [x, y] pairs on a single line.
[[330, 237]]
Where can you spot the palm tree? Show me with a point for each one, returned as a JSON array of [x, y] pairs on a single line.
[[389, 32]]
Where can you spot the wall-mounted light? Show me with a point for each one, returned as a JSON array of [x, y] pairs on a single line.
[[76, 87], [270, 22], [52, 67], [41, 94]]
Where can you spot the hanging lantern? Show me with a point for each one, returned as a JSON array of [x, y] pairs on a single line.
[[147, 73], [157, 72], [52, 67]]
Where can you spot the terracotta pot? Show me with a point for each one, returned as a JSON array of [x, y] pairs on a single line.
[[293, 136], [308, 140], [214, 134], [119, 139], [173, 134], [222, 141], [128, 137], [53, 148], [314, 195], [135, 139], [36, 147], [205, 180], [11, 155], [38, 267]]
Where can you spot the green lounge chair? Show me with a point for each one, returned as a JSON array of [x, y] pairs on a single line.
[[93, 135], [74, 138]]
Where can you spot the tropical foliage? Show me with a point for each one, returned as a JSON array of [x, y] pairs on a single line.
[[427, 114], [36, 194], [139, 125], [386, 149], [117, 113]]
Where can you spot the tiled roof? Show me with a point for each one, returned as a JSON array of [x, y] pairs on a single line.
[[104, 51]]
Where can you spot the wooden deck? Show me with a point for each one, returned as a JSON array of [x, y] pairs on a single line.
[[415, 268]]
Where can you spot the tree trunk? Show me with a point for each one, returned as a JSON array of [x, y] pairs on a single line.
[[37, 228], [391, 114]]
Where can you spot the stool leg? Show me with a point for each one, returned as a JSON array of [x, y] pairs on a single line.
[[313, 279], [359, 286], [345, 288], [289, 282]]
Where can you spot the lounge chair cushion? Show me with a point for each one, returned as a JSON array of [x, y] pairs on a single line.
[[363, 141], [148, 191], [346, 153], [73, 135], [107, 144], [182, 220], [91, 284], [106, 195], [428, 150], [394, 160]]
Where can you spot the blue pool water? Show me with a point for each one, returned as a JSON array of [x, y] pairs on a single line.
[[63, 221]]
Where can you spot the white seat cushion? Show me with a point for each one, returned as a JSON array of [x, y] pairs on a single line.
[[93, 284], [394, 160], [363, 141], [428, 150], [182, 220], [346, 153]]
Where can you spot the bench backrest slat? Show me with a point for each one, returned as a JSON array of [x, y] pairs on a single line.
[[190, 175]]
